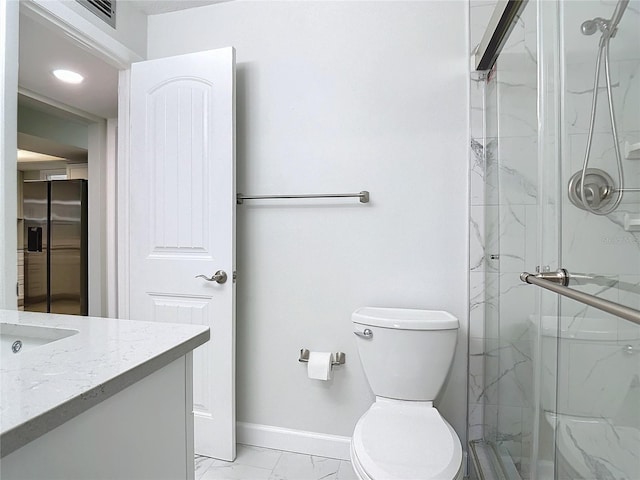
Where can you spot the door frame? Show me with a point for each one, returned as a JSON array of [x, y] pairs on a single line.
[[101, 192], [84, 32], [102, 166], [124, 200], [9, 14]]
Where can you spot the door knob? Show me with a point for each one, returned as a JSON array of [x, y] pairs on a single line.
[[220, 276]]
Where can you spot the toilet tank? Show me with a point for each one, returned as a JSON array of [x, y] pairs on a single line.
[[408, 352]]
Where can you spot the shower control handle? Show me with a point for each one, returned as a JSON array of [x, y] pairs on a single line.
[[593, 194], [366, 333], [220, 277], [598, 189]]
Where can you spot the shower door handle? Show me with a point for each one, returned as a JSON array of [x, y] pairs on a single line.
[[220, 277], [560, 277]]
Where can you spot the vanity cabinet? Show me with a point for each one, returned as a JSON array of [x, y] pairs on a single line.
[[142, 432]]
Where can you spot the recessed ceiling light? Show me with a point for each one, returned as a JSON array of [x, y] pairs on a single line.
[[68, 76]]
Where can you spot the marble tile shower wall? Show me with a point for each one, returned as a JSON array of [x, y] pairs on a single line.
[[600, 244]]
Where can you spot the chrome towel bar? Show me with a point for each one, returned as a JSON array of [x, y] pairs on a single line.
[[363, 196], [613, 308]]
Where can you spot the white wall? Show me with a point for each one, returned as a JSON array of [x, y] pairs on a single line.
[[52, 127], [130, 28], [340, 97]]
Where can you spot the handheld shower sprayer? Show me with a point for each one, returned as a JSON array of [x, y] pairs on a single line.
[[618, 12], [591, 189]]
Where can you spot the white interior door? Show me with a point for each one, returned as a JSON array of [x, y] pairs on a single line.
[[181, 209]]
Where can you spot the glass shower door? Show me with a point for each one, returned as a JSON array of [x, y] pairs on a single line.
[[596, 419]]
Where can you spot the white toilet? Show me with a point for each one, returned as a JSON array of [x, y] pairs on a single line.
[[406, 355]]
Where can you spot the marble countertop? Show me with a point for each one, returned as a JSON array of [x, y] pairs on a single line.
[[43, 387]]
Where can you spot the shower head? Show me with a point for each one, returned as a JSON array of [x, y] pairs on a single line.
[[607, 27], [590, 27]]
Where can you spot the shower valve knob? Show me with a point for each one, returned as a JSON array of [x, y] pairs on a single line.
[[598, 189]]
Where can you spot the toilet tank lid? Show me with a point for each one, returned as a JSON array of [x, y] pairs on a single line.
[[405, 318]]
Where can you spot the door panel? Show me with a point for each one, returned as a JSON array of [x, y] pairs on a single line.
[[182, 220]]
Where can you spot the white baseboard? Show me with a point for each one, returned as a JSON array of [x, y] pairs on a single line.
[[298, 441]]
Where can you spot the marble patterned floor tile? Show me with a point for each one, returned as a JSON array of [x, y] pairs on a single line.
[[220, 463], [202, 465], [236, 471], [257, 456], [294, 466], [345, 471], [257, 463]]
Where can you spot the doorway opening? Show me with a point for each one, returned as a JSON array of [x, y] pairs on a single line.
[[75, 127]]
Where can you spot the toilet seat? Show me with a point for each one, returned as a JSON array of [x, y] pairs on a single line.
[[398, 439]]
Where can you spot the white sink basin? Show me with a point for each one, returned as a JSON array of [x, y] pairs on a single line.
[[16, 339]]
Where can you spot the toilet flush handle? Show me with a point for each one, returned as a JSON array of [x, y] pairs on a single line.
[[367, 333]]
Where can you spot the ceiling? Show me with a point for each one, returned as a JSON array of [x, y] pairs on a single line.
[[28, 160], [153, 7], [43, 49], [50, 147]]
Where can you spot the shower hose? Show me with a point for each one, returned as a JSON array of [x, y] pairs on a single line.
[[603, 51]]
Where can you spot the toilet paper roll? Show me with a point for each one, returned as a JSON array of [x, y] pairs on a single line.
[[319, 366]]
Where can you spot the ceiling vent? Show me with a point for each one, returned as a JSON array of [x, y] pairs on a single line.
[[103, 9]]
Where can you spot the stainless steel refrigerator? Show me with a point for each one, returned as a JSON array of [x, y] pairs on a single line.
[[55, 247]]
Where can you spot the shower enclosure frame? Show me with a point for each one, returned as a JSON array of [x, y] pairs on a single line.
[[552, 147]]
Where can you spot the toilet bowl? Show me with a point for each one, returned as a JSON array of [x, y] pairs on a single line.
[[406, 355]]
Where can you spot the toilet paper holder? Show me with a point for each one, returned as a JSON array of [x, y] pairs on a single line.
[[338, 357]]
